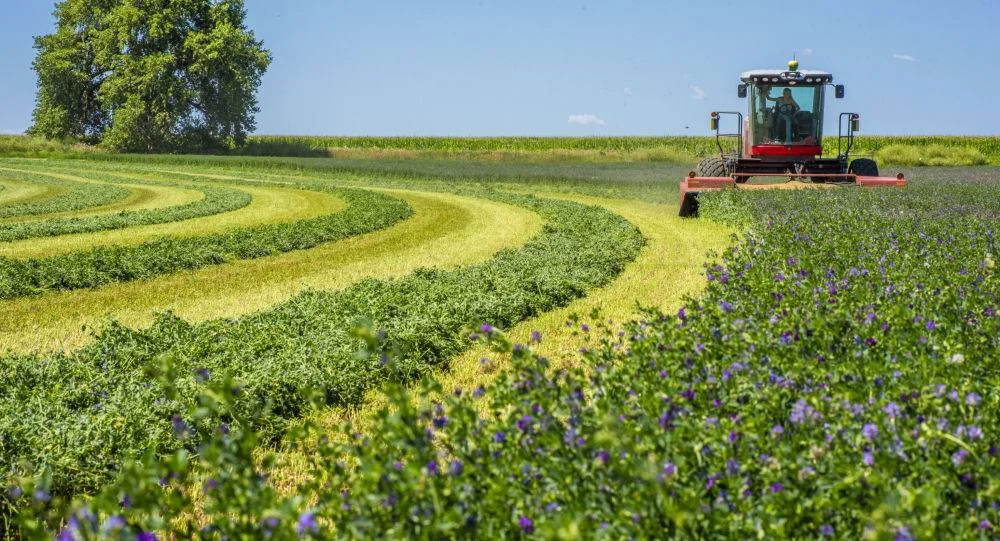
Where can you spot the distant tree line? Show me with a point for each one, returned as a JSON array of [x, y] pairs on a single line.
[[149, 75]]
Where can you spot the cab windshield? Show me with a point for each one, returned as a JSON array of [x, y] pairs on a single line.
[[786, 115]]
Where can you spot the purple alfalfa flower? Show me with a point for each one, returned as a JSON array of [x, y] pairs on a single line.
[[826, 530], [536, 337], [786, 338], [202, 374], [479, 392], [455, 468], [181, 429], [985, 525], [959, 457], [903, 534], [603, 456], [867, 458], [551, 507], [726, 306], [870, 317], [869, 431], [306, 524], [486, 328], [931, 325], [526, 524], [776, 488], [682, 314], [779, 277], [524, 423], [973, 399], [777, 430], [500, 437], [145, 536], [732, 467], [113, 523], [953, 395], [669, 469], [210, 485], [975, 433], [440, 422], [432, 467], [41, 495], [892, 410], [710, 482], [584, 327], [735, 436]]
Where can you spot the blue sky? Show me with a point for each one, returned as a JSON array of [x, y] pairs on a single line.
[[512, 67]]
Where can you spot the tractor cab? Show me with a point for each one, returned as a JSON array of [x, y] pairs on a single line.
[[782, 136], [785, 115]]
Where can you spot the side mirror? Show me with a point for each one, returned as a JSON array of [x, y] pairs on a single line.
[[838, 91], [855, 123], [741, 91], [715, 122]]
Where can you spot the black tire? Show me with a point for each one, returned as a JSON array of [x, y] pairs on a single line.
[[712, 167], [863, 167]]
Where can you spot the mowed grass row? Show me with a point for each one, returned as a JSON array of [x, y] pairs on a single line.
[[295, 217], [100, 404], [150, 202], [59, 195], [445, 231]]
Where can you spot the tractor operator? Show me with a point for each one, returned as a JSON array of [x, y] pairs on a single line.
[[785, 99]]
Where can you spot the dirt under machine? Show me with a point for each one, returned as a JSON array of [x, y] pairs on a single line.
[[782, 138]]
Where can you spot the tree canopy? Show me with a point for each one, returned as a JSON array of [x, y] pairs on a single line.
[[145, 75]]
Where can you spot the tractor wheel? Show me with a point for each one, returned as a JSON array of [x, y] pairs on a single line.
[[863, 167], [712, 167]]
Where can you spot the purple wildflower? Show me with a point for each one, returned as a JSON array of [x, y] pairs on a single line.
[[725, 306], [456, 467], [145, 536], [486, 328], [432, 467], [870, 431], [892, 410], [536, 337], [526, 524], [307, 524], [959, 457], [826, 530], [669, 469], [681, 314], [985, 525], [867, 459], [975, 433], [777, 430], [973, 399], [524, 423], [776, 488], [500, 437], [931, 325]]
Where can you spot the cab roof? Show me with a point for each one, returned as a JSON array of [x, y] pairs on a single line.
[[783, 76]]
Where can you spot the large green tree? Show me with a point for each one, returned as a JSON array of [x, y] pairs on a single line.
[[144, 75]]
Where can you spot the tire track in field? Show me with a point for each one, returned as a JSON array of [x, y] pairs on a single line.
[[447, 230], [270, 205]]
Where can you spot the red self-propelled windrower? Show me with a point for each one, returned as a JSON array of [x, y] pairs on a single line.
[[781, 138]]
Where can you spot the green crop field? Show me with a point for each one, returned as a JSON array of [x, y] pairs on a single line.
[[439, 338]]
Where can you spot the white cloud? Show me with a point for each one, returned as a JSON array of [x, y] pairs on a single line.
[[807, 52], [905, 57], [586, 119], [697, 93], [628, 91]]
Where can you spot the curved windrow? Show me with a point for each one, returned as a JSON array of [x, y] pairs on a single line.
[[116, 261], [153, 203], [59, 195], [446, 231], [99, 404]]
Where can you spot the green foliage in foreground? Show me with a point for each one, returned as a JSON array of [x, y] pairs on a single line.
[[216, 200], [366, 211], [837, 378], [68, 195], [146, 76], [102, 404]]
